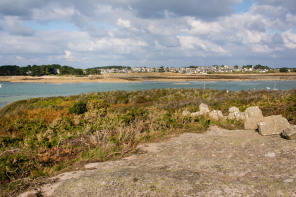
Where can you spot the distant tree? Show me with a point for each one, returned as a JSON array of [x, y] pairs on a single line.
[[236, 66], [161, 69], [66, 70], [248, 66], [77, 71], [260, 67], [10, 70], [284, 70], [115, 67], [93, 71], [36, 70]]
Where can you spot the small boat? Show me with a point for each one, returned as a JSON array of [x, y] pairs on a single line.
[[274, 86], [1, 85], [268, 88]]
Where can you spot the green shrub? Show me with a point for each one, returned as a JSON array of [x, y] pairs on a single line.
[[78, 108]]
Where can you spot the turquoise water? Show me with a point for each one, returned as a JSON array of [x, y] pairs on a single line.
[[10, 92]]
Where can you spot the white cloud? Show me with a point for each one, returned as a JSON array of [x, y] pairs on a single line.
[[289, 39], [53, 13], [16, 26], [200, 27], [164, 32], [203, 47], [259, 48], [123, 23], [69, 55]]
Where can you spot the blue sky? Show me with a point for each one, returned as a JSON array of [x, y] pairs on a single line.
[[86, 33], [243, 6], [52, 25]]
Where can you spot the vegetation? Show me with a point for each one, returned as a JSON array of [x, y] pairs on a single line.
[[40, 137], [56, 69], [114, 67], [93, 71], [8, 70], [248, 66], [284, 70], [161, 69], [260, 67]]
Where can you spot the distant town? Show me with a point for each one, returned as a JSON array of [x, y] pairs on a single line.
[[56, 69]]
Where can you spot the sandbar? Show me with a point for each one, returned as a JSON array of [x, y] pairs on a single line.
[[141, 77]]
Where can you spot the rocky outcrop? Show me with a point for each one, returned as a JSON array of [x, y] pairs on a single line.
[[204, 109], [273, 125], [251, 123], [233, 110], [253, 120], [253, 112], [253, 116], [289, 133], [216, 115], [196, 114], [186, 113], [234, 113], [191, 164]]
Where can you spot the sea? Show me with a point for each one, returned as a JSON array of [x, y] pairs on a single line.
[[11, 92]]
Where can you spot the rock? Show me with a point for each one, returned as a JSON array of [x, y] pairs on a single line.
[[186, 113], [204, 109], [196, 114], [240, 116], [234, 113], [273, 125], [231, 116], [252, 123], [270, 155], [216, 114], [237, 116], [253, 115], [289, 133], [253, 112], [233, 110]]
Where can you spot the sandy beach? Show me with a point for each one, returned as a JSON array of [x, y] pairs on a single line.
[[140, 77]]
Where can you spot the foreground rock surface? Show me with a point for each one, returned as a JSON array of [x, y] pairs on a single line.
[[253, 116], [273, 125], [289, 133], [216, 163]]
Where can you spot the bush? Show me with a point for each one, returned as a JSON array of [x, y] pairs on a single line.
[[78, 108]]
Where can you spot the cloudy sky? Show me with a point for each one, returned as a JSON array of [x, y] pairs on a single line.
[[87, 33]]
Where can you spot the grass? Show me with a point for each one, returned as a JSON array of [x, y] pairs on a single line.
[[40, 137]]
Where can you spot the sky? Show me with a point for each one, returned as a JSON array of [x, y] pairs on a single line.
[[89, 33]]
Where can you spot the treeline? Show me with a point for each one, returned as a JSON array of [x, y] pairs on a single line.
[[40, 70], [257, 67], [114, 67]]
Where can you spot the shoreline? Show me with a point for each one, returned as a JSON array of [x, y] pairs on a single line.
[[142, 77]]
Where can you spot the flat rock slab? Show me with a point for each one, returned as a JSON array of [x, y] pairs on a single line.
[[216, 163]]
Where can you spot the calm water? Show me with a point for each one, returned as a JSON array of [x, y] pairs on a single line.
[[10, 92]]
